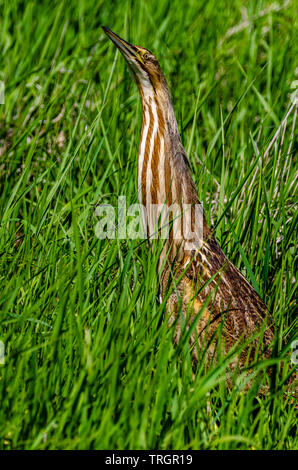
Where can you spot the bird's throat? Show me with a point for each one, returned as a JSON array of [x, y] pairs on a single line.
[[165, 187]]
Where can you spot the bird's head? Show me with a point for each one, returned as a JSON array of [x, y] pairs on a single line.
[[143, 63]]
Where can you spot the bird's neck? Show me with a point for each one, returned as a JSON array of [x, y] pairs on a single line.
[[159, 134], [163, 167]]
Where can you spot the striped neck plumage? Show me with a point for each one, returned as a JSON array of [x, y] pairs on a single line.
[[159, 131], [163, 166], [164, 180]]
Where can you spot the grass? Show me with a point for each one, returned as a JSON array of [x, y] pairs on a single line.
[[89, 360]]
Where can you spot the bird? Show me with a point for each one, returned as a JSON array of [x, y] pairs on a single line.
[[211, 299]]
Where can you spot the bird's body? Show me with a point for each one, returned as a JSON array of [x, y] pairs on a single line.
[[208, 289]]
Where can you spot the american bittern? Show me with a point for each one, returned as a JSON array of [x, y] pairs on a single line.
[[209, 289]]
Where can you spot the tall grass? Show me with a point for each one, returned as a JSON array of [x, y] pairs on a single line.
[[89, 360]]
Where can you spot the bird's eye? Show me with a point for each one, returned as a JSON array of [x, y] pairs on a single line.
[[146, 56]]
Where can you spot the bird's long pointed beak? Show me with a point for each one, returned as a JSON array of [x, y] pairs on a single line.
[[128, 50]]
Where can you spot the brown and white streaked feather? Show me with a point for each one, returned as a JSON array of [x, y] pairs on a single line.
[[164, 178], [207, 284]]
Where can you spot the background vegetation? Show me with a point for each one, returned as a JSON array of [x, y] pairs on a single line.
[[89, 357]]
